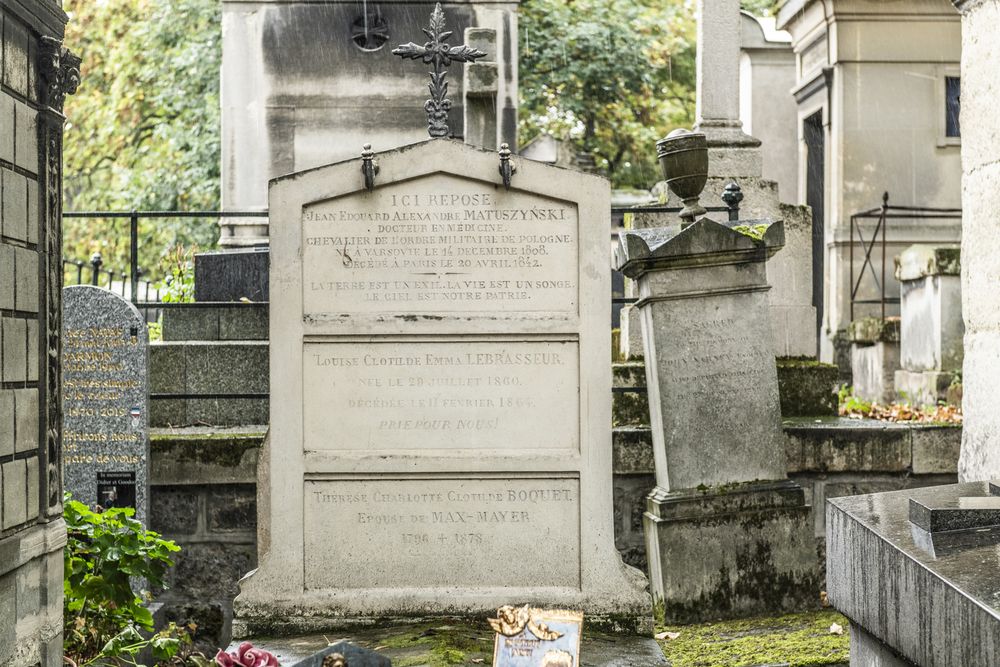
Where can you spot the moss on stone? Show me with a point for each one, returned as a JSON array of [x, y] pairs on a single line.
[[755, 232], [223, 449], [798, 640], [807, 387], [437, 644]]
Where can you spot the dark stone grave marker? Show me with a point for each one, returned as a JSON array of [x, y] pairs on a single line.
[[105, 360]]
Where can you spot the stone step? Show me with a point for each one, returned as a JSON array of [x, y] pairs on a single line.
[[834, 445], [220, 383], [216, 321]]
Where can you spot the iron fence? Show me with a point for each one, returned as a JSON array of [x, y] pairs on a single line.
[[133, 277], [882, 215]]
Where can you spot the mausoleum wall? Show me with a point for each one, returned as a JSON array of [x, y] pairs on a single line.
[[32, 532]]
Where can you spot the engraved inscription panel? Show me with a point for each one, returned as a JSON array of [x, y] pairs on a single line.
[[442, 395], [390, 533], [440, 243]]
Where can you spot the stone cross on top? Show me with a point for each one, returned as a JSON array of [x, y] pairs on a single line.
[[439, 53]]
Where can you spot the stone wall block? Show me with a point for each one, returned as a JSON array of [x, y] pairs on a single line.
[[174, 510], [32, 201], [227, 368], [15, 56], [232, 508], [14, 349], [167, 370], [32, 493], [244, 323], [6, 120], [26, 137], [32, 353], [15, 205], [8, 610], [15, 491], [29, 583], [194, 324], [6, 277], [6, 422], [26, 289], [227, 411], [26, 419]]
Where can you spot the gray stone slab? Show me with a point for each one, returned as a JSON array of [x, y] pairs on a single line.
[[105, 400], [933, 602], [183, 324], [249, 322], [232, 275]]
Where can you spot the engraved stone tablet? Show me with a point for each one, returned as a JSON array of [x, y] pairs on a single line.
[[440, 413], [105, 353]]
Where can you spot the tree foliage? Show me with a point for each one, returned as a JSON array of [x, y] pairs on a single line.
[[610, 77], [143, 130]]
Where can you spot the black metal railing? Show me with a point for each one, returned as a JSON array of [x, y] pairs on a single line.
[[882, 215], [93, 272], [134, 273]]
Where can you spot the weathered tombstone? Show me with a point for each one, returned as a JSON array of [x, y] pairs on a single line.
[[440, 421], [874, 358], [105, 361], [931, 327], [727, 533]]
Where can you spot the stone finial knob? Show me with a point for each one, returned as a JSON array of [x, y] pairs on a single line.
[[684, 160]]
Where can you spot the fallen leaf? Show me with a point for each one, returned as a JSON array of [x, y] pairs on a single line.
[[836, 629], [667, 635]]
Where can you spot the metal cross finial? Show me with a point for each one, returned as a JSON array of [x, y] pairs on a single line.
[[439, 53]]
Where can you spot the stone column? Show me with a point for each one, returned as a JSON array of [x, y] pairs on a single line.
[[727, 533], [980, 458], [718, 91], [480, 81], [733, 154]]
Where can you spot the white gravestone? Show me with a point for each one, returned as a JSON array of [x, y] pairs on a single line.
[[441, 396]]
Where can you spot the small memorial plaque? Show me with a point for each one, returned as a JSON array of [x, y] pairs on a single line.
[[105, 400], [536, 638]]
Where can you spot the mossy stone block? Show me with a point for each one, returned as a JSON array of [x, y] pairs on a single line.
[[807, 388]]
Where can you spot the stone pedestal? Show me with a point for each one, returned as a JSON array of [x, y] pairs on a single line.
[[931, 327], [727, 534], [874, 358], [919, 597]]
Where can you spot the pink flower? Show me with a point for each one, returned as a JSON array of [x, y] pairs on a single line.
[[246, 656]]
